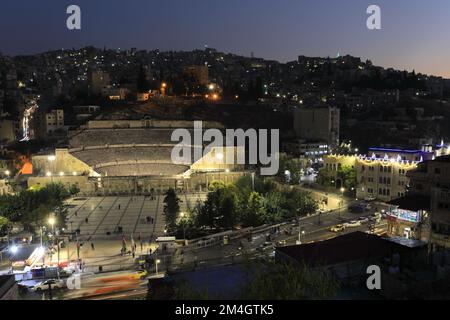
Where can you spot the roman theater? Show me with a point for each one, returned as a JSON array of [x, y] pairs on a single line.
[[119, 157]]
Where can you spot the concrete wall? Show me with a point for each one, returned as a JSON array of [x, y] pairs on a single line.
[[107, 124], [81, 182], [137, 184], [64, 162]]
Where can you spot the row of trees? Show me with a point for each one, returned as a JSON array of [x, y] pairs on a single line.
[[346, 174], [245, 203], [32, 207]]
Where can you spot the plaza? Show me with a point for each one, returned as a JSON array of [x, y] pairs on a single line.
[[110, 217]]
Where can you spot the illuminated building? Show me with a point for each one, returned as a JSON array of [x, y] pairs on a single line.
[[317, 125], [381, 174], [431, 181]]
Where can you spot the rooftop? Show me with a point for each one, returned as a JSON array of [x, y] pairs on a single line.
[[349, 247], [412, 202]]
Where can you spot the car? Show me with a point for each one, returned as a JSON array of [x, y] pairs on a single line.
[[363, 219], [46, 284], [337, 228], [139, 274], [352, 224], [370, 199]]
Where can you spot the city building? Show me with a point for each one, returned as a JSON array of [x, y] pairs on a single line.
[[85, 112], [317, 127], [52, 121], [348, 256], [9, 130], [431, 182], [381, 174], [98, 80], [199, 74]]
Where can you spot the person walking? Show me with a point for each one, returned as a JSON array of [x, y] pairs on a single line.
[[92, 246]]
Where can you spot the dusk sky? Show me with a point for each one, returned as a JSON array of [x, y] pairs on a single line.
[[414, 34]]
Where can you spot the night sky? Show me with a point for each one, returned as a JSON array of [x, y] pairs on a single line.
[[414, 35]]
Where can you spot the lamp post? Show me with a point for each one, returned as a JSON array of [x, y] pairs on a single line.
[[13, 250], [52, 222], [253, 181], [182, 215], [341, 202], [300, 232], [156, 265], [52, 159]]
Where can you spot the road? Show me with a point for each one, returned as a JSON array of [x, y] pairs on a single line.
[[121, 285]]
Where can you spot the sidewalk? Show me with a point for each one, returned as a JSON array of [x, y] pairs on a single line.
[[106, 253]]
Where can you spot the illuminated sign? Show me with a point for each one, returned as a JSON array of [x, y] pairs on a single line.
[[406, 215]]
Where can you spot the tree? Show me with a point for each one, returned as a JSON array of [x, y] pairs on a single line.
[[299, 203], [171, 209], [74, 190], [273, 204], [325, 178], [220, 209], [291, 165], [348, 176], [4, 225], [254, 212]]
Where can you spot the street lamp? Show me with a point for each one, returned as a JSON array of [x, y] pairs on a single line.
[[14, 249], [7, 173], [300, 232], [51, 222], [182, 215], [341, 202], [51, 159], [156, 265]]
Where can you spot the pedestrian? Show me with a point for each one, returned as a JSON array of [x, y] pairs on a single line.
[[92, 246], [119, 206], [86, 220]]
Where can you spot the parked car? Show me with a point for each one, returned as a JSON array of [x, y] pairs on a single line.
[[352, 224], [46, 284], [363, 219], [337, 228]]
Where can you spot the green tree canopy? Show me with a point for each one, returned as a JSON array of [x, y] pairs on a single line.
[[171, 209]]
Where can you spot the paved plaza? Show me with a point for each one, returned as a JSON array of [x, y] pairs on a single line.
[[107, 218]]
